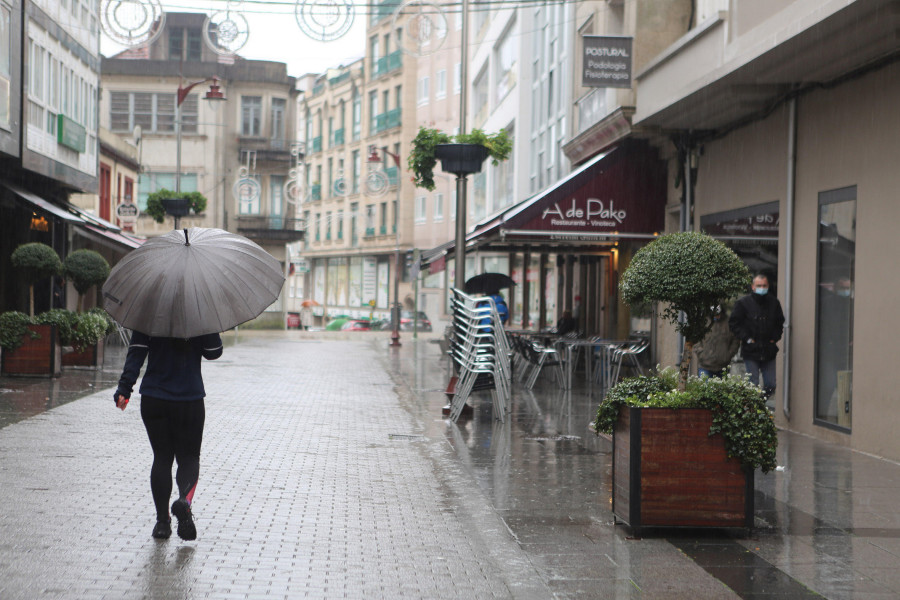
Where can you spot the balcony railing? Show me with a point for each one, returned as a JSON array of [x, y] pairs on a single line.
[[370, 231], [384, 9], [266, 149], [337, 138], [317, 144], [270, 228], [388, 63], [318, 89], [387, 120], [339, 79], [315, 191]]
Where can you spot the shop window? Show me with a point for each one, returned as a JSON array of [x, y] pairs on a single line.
[[834, 306]]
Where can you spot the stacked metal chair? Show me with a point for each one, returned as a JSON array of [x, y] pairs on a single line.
[[481, 352]]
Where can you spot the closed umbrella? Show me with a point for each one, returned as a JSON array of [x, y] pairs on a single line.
[[191, 282], [488, 283]]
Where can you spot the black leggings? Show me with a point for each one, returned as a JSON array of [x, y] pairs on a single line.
[[175, 429]]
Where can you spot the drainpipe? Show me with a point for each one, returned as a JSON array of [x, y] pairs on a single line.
[[789, 254]]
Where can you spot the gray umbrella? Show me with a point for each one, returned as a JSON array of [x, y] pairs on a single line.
[[191, 282]]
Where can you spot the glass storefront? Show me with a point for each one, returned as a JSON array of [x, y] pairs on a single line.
[[834, 306]]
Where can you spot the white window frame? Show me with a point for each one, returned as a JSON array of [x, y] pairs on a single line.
[[421, 215], [440, 91]]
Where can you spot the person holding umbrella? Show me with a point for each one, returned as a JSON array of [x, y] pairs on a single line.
[[173, 412], [176, 293]]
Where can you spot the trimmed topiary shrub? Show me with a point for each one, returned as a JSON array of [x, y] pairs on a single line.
[[689, 273], [85, 268], [37, 261]]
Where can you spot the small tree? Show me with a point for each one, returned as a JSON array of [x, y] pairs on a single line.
[[37, 261], [690, 273], [85, 268], [156, 209]]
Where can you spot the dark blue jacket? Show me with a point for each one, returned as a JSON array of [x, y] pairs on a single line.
[[173, 368]]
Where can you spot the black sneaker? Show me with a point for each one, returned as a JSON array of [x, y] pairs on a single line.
[[162, 530], [182, 511]]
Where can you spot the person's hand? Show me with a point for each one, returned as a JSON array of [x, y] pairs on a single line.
[[121, 401]]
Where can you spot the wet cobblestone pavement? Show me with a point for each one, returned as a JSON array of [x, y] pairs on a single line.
[[328, 472]]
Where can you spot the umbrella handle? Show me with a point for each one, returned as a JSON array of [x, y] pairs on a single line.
[[186, 241]]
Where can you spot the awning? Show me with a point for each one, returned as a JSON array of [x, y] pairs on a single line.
[[119, 238], [620, 194], [88, 225], [42, 204]]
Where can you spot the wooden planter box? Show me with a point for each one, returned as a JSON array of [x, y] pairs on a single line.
[[89, 357], [36, 357], [669, 472]]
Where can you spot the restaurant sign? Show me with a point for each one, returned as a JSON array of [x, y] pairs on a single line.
[[606, 61], [622, 193]]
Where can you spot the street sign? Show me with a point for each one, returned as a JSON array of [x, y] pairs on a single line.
[[128, 213]]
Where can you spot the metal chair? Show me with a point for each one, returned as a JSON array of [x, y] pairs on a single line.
[[630, 352]]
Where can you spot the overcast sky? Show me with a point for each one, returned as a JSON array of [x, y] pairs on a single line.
[[275, 35]]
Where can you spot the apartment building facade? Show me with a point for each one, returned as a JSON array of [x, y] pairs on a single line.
[[357, 201]]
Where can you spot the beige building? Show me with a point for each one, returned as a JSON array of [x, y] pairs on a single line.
[[236, 152], [786, 121], [356, 199]]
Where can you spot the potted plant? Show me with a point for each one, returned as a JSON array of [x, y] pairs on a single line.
[[685, 449], [193, 202], [37, 261], [28, 348], [88, 330], [460, 154], [85, 269]]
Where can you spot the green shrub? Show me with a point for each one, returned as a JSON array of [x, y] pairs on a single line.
[[13, 327], [89, 329], [738, 408], [64, 321], [85, 268], [110, 323]]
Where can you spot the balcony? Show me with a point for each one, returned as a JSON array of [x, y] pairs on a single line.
[[386, 64], [383, 10], [370, 231], [316, 145], [267, 150], [333, 81], [337, 138], [270, 229], [387, 120], [315, 192], [318, 89]]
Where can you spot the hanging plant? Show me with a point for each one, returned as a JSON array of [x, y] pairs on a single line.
[[422, 159], [156, 209]]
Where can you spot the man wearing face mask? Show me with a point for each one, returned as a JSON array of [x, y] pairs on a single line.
[[758, 321]]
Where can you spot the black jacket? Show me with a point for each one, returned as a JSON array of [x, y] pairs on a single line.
[[757, 318], [173, 370]]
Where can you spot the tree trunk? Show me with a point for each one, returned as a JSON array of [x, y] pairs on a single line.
[[31, 300], [685, 365]]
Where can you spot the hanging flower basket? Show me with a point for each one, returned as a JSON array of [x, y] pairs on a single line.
[[461, 159]]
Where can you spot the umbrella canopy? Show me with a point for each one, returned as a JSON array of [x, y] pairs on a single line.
[[191, 282], [488, 283], [309, 303], [336, 324]]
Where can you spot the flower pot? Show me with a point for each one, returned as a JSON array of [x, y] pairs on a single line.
[[92, 356], [36, 356], [669, 472], [461, 159], [176, 207]]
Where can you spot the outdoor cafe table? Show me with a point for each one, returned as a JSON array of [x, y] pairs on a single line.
[[607, 347]]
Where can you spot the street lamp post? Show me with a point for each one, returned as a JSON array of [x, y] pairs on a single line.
[[215, 94]]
